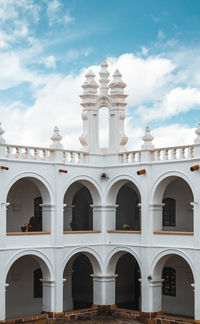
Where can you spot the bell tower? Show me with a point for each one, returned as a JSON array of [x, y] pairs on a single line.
[[112, 96]]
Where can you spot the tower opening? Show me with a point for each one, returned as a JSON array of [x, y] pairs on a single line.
[[104, 127]]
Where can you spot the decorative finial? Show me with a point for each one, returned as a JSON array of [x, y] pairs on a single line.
[[197, 139], [147, 138], [117, 85], [104, 74], [56, 138], [90, 86], [2, 140]]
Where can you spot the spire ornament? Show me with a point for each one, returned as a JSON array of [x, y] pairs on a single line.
[[104, 74], [147, 138], [197, 139], [56, 138], [2, 140]]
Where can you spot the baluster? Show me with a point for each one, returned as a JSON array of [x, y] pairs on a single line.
[[27, 153], [84, 159], [127, 157], [71, 157], [174, 153], [44, 155], [183, 153], [133, 157], [139, 157], [192, 151], [158, 155], [166, 154], [8, 151], [35, 154], [64, 156], [79, 157]]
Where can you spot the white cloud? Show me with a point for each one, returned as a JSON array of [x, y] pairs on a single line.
[[50, 62], [161, 35], [57, 102], [68, 19], [74, 54], [52, 11]]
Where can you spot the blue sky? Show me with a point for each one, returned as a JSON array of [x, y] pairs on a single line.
[[46, 47]]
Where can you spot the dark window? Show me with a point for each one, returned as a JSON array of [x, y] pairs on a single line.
[[37, 283], [169, 212], [169, 283]]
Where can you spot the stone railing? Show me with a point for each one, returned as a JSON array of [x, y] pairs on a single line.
[[159, 154], [20, 152]]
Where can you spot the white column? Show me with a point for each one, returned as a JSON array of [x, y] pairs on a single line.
[[196, 222], [48, 295], [156, 216], [104, 217], [104, 289], [151, 295], [68, 216], [3, 221], [47, 217], [3, 288], [67, 291]]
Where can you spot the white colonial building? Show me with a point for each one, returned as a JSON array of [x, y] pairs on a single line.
[[100, 226]]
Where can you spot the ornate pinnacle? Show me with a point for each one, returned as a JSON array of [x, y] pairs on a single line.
[[90, 84], [117, 85], [104, 74], [197, 139], [2, 140], [147, 138], [56, 138]]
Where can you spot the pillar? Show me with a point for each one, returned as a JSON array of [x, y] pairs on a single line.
[[104, 289], [151, 295], [3, 217], [68, 216], [48, 295], [104, 217], [3, 288], [47, 217], [156, 211], [196, 222]]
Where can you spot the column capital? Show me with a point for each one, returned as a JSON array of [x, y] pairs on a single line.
[[156, 282], [104, 278], [5, 204], [47, 206], [48, 282], [158, 207], [104, 207]]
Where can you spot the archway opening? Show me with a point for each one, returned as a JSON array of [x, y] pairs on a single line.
[[177, 292], [127, 283], [104, 127], [175, 196], [24, 294], [78, 288], [128, 211], [25, 212], [78, 214]]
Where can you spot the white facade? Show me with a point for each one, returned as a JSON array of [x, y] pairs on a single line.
[[103, 210]]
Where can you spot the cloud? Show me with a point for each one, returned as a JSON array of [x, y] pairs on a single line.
[[74, 54], [55, 15], [50, 62], [151, 85], [161, 35]]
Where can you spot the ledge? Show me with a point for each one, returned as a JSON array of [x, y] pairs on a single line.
[[26, 233], [124, 231], [81, 232], [173, 233]]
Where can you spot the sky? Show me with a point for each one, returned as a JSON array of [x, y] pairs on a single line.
[[47, 46]]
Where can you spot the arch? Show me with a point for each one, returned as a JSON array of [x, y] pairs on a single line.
[[42, 259], [162, 181], [177, 297], [103, 101], [114, 255], [89, 183], [92, 255], [116, 183], [160, 259], [38, 180]]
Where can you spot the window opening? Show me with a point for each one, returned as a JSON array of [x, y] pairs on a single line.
[[169, 283], [37, 283], [104, 127], [169, 212]]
